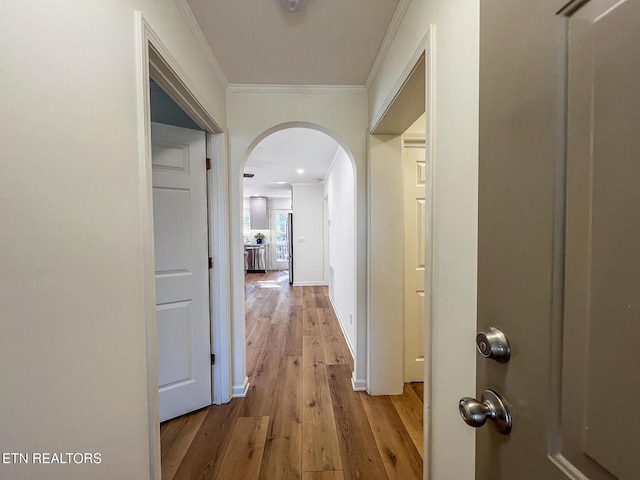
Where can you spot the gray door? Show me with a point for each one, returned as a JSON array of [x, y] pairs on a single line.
[[559, 236]]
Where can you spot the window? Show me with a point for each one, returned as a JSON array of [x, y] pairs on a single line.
[[246, 222], [282, 244]]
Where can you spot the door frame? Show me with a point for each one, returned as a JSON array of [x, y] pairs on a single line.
[[154, 60], [381, 125]]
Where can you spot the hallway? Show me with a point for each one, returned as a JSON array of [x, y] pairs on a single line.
[[300, 416]]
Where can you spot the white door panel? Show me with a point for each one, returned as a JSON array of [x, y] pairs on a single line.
[[181, 259], [172, 230], [414, 175], [174, 341]]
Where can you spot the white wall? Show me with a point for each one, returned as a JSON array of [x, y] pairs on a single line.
[[455, 164], [418, 127], [72, 348], [272, 202], [278, 203], [386, 281], [253, 113], [308, 234], [340, 196]]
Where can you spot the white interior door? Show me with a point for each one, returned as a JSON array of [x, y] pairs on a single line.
[[559, 236], [414, 175], [181, 260]]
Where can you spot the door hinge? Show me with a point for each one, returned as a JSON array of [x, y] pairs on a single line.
[[213, 359], [208, 164], [210, 263]]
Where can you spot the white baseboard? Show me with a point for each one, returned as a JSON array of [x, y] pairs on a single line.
[[341, 323], [240, 391], [359, 385], [309, 284]]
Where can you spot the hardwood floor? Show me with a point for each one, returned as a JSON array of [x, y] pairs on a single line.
[[300, 418]]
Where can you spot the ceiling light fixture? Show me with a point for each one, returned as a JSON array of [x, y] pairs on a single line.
[[294, 5], [300, 171]]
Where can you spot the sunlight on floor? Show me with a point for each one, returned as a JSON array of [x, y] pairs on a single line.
[[282, 276], [268, 284]]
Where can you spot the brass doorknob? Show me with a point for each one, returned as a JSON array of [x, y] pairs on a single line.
[[490, 407]]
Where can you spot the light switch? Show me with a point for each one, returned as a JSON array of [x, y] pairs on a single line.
[[301, 239]]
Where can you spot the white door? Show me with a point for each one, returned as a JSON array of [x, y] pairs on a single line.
[[279, 240], [414, 175], [559, 236], [181, 261]]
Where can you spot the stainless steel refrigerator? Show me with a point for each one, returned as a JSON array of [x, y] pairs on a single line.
[[290, 245]]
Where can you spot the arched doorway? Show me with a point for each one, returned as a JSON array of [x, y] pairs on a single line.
[[307, 162]]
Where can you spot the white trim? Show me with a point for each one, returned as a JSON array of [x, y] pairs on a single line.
[[310, 284], [429, 136], [297, 89], [400, 82], [358, 385], [193, 25], [240, 391], [146, 221], [219, 276], [166, 72], [413, 140], [368, 253], [344, 334], [392, 30]]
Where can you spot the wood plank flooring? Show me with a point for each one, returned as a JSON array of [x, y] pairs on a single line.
[[301, 418]]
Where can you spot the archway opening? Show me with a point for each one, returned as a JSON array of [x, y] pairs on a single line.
[[299, 200]]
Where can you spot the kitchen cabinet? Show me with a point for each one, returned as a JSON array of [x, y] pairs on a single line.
[[259, 213]]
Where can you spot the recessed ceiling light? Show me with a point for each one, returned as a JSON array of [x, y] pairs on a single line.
[[280, 183], [294, 5], [300, 171]]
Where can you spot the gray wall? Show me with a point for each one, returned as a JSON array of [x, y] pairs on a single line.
[[165, 110]]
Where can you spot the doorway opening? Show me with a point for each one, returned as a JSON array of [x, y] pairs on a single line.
[[162, 153], [299, 223], [400, 189]]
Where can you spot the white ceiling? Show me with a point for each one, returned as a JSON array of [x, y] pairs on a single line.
[[332, 42], [278, 157]]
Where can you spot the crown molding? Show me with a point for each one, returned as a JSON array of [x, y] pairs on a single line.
[[196, 31], [309, 89], [392, 30]]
